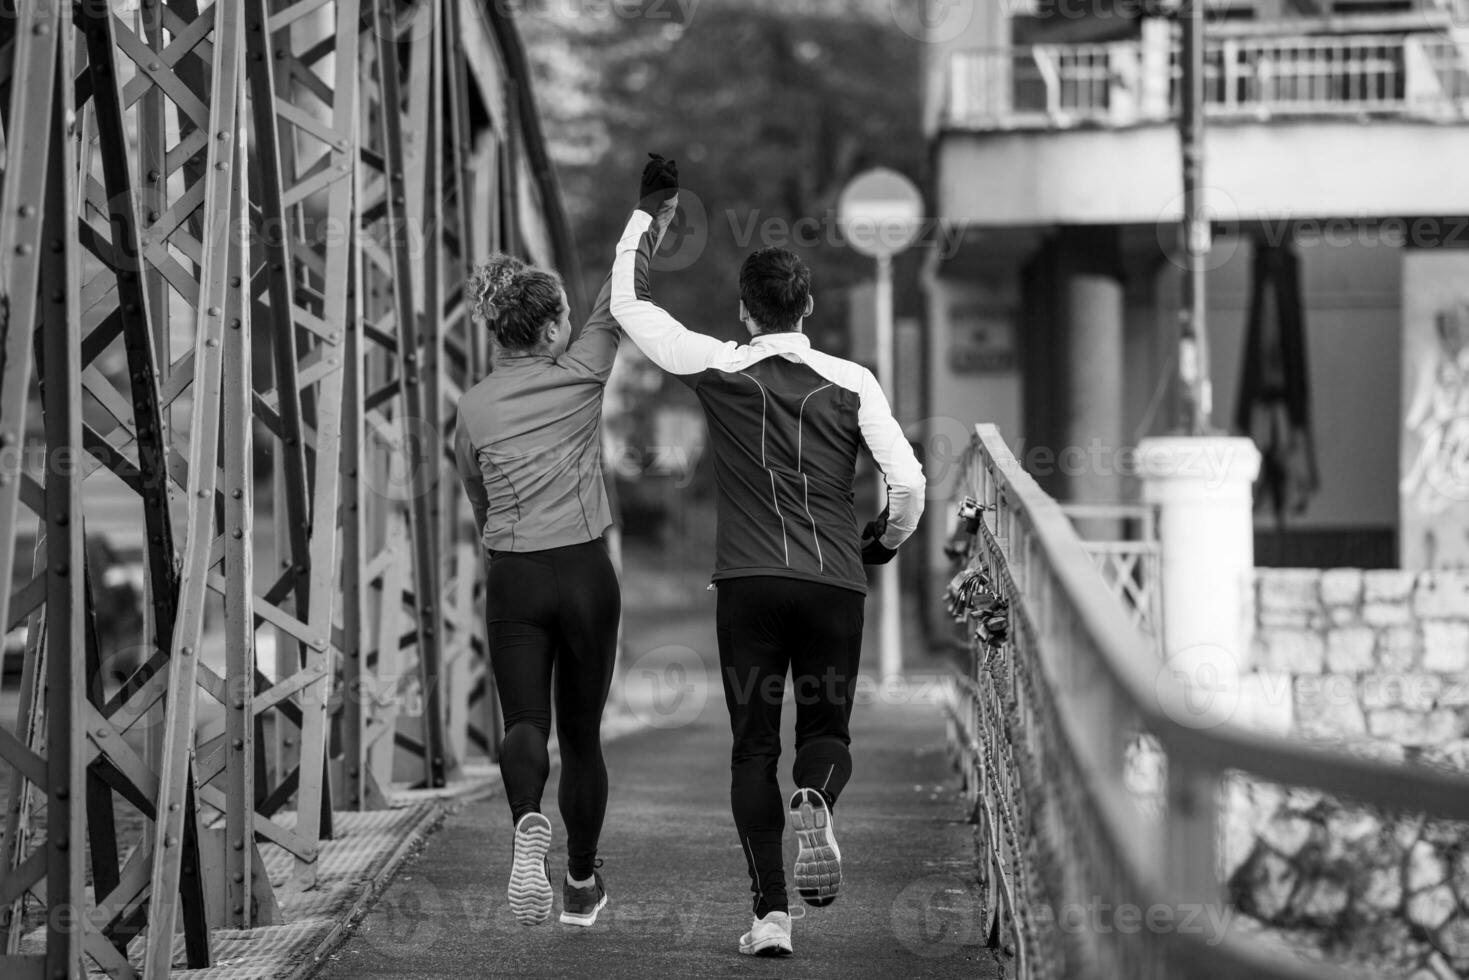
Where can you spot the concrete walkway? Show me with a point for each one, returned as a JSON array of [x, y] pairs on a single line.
[[675, 876]]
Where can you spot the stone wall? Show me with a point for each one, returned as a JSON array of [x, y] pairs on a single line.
[[1370, 657], [1375, 663]]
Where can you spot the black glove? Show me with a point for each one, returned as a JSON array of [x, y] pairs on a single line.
[[659, 184], [873, 552]]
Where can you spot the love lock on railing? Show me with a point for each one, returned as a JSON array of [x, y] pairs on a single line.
[[961, 543], [971, 596]]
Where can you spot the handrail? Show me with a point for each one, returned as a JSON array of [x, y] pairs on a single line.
[[1160, 698], [1076, 682]]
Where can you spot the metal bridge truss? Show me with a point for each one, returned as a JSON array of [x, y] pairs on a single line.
[[232, 243]]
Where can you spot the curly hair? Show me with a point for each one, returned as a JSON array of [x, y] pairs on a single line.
[[515, 300]]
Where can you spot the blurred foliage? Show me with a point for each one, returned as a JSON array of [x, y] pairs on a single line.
[[769, 107]]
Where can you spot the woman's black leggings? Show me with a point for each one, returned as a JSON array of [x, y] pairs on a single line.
[[556, 608]]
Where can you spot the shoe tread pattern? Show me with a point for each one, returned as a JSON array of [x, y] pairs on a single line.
[[530, 890], [818, 877]]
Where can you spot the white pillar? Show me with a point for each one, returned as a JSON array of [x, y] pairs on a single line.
[[1203, 489], [1155, 100]]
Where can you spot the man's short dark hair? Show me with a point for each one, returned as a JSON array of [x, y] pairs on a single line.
[[775, 286]]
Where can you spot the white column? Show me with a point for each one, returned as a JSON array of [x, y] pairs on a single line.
[[1203, 489], [1155, 97]]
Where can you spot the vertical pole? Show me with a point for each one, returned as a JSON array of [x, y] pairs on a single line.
[[65, 606], [19, 826], [33, 73], [314, 796], [100, 820], [277, 273], [239, 592], [357, 535], [1190, 840], [356, 680], [153, 199], [1196, 401], [439, 449], [890, 644], [410, 378], [174, 832]]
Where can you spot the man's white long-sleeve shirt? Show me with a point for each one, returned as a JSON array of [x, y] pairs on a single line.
[[786, 424]]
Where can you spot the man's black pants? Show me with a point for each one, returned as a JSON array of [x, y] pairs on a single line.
[[768, 626]]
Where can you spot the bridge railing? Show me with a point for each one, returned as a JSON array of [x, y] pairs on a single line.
[[1047, 726], [1132, 82]]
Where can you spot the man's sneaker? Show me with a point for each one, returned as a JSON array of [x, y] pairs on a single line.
[[770, 936], [530, 882], [818, 860], [579, 906]]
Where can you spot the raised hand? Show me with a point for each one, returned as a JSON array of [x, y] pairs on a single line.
[[659, 184]]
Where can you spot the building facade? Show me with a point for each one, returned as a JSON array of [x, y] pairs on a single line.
[[1337, 183]]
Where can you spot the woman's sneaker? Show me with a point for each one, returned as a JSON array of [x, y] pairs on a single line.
[[818, 861], [770, 936], [530, 882], [579, 906]]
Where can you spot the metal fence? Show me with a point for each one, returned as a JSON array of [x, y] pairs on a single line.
[[1133, 82], [231, 253], [1044, 726]]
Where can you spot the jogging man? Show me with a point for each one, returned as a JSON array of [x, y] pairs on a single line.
[[786, 423]]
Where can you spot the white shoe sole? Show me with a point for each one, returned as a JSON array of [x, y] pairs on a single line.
[[818, 876], [769, 946], [529, 891], [584, 919]]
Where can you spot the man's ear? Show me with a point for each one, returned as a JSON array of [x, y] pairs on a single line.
[[748, 320], [810, 305]]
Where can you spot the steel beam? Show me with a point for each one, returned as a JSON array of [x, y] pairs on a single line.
[[238, 490], [415, 408], [33, 57], [304, 101], [65, 598], [223, 207]]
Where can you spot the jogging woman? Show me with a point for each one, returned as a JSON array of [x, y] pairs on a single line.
[[529, 451]]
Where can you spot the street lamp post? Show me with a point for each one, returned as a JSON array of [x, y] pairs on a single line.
[[1196, 396], [890, 641], [1205, 520], [880, 215]]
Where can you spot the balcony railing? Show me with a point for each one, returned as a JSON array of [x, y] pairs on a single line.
[[1122, 540], [1135, 82]]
